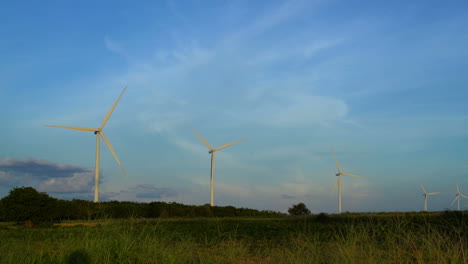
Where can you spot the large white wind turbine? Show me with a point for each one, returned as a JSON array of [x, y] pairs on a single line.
[[99, 133], [457, 197], [338, 181], [212, 151], [426, 194]]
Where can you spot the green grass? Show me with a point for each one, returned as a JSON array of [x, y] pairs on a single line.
[[396, 238]]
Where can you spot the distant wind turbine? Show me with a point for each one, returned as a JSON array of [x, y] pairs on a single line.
[[98, 132], [338, 181], [457, 197], [212, 152], [426, 194]]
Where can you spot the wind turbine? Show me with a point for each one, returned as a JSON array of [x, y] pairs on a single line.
[[425, 196], [212, 151], [457, 197], [338, 181], [99, 133]]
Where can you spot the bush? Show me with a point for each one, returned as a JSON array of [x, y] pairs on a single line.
[[299, 209], [25, 203]]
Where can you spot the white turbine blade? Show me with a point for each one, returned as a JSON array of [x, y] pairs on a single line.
[[463, 196], [336, 162], [352, 175], [422, 187], [457, 197], [433, 193], [200, 137], [87, 129], [230, 144], [109, 146], [458, 189], [112, 109], [335, 186]]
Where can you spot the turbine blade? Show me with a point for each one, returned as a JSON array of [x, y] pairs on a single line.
[[335, 186], [352, 175], [463, 196], [336, 162], [458, 189], [200, 137], [457, 197], [422, 187], [112, 109], [109, 146], [230, 144], [87, 129], [433, 193]]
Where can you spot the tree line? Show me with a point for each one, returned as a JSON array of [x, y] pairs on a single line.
[[26, 203]]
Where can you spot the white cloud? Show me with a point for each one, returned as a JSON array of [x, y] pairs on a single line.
[[295, 109], [77, 183], [46, 175], [320, 45], [114, 46]]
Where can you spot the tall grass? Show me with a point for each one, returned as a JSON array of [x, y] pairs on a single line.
[[288, 240]]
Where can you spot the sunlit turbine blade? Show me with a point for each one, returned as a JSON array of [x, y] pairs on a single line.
[[112, 109], [336, 161], [458, 189], [352, 175], [230, 144], [463, 196], [77, 128], [457, 197], [109, 146], [422, 187], [433, 193], [200, 137]]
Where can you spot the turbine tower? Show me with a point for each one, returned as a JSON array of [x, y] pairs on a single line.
[[426, 194], [99, 133], [212, 151], [338, 181], [457, 197]]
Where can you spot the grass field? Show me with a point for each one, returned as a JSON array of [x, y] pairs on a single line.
[[388, 238]]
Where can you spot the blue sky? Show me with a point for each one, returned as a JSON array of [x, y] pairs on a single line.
[[383, 82]]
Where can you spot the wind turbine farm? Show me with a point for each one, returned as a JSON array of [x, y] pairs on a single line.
[[212, 152], [99, 133], [348, 107]]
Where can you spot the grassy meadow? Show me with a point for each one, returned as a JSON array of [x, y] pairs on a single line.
[[349, 238]]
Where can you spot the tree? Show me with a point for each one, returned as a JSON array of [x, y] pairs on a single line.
[[299, 209], [25, 203]]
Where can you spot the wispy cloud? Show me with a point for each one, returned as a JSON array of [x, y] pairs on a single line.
[[294, 109], [114, 46], [149, 191], [142, 193], [285, 196]]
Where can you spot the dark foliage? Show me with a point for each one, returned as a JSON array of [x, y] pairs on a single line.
[[25, 203], [299, 209]]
